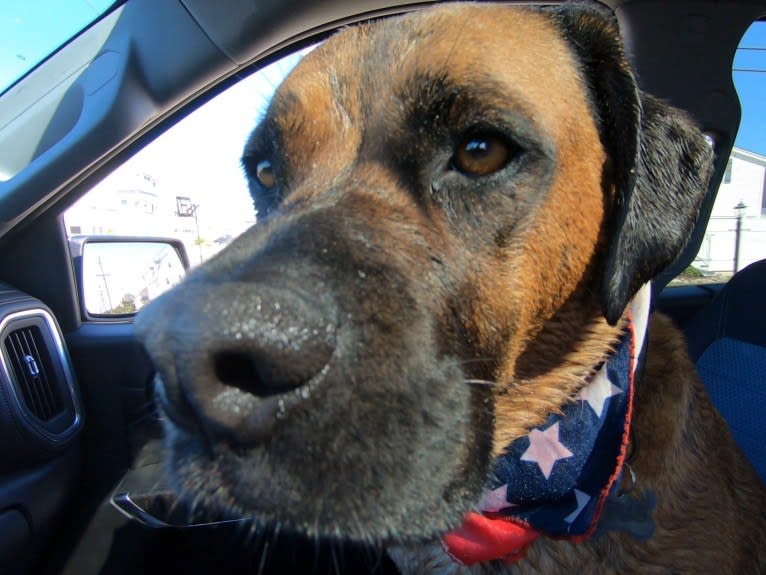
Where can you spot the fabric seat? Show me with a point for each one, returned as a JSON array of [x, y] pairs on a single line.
[[727, 340]]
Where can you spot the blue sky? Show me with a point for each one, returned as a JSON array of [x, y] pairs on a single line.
[[32, 29], [751, 87]]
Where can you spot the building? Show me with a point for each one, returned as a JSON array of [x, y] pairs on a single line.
[[129, 203], [742, 193]]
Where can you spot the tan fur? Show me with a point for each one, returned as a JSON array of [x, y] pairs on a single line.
[[546, 84]]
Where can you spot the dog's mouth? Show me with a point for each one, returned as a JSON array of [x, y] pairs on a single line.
[[338, 474]]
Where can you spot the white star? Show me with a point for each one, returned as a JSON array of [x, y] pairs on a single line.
[[494, 500], [582, 501], [545, 449], [597, 392]]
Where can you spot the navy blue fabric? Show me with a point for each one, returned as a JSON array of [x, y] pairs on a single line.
[[734, 373], [727, 340], [738, 312]]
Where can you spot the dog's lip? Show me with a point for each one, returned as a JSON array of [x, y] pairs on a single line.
[[179, 412], [165, 405]]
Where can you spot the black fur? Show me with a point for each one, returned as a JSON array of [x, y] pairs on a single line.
[[660, 162]]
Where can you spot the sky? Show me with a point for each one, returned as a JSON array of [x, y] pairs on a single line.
[[751, 87], [198, 157], [32, 29]]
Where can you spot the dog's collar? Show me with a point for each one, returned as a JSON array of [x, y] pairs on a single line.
[[556, 480]]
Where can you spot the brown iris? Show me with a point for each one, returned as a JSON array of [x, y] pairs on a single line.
[[264, 172], [481, 155]]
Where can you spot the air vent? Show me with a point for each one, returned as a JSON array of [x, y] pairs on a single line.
[[37, 386], [32, 370]]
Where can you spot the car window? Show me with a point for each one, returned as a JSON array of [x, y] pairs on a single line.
[[736, 232], [187, 183], [31, 30]]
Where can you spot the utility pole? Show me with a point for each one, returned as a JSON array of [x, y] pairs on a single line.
[[196, 224], [186, 209], [103, 275]]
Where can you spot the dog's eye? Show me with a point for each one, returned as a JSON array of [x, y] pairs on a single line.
[[264, 173], [481, 154]]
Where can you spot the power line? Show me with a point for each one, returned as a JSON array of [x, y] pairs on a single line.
[[752, 48], [753, 70]]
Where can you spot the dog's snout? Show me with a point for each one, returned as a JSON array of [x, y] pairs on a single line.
[[238, 355]]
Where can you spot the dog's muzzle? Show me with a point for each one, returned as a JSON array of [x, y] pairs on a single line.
[[303, 376]]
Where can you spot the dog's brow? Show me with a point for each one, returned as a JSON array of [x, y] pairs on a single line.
[[261, 142], [428, 89], [431, 100]]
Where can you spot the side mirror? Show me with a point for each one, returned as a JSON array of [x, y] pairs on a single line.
[[118, 275]]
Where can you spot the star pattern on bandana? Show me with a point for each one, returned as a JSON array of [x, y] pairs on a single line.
[[598, 391], [494, 500], [582, 500], [545, 449]]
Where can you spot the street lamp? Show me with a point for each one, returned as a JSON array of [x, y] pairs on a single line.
[[739, 209]]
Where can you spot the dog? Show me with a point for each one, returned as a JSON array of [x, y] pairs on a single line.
[[459, 212]]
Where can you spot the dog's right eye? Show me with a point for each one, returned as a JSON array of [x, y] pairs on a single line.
[[264, 173], [482, 154]]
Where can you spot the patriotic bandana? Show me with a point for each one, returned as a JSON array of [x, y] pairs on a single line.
[[556, 480]]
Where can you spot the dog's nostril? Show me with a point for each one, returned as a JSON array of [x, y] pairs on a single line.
[[237, 370], [261, 374]]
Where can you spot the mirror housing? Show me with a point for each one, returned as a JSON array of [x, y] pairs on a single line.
[[118, 275]]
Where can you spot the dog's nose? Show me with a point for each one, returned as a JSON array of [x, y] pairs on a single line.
[[236, 358]]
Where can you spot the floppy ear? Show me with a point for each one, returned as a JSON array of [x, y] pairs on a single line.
[[660, 162], [658, 213]]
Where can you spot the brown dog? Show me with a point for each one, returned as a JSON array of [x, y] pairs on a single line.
[[455, 208]]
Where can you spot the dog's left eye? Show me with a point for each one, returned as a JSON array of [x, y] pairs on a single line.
[[264, 173], [482, 154]]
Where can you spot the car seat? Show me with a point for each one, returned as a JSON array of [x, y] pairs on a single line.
[[727, 341]]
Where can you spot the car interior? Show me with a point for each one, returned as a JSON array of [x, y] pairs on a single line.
[[80, 474]]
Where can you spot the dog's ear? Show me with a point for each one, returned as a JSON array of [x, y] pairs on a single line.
[[660, 162]]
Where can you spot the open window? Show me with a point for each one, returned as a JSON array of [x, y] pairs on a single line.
[[736, 231]]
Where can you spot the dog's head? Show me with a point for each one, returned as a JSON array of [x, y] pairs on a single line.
[[454, 208]]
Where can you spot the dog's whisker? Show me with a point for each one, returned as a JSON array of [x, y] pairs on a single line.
[[261, 539], [262, 561], [334, 557], [479, 382], [317, 548], [317, 539]]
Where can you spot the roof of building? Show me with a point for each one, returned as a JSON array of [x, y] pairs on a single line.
[[748, 156]]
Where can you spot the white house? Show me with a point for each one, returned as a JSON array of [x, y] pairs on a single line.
[[743, 192]]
